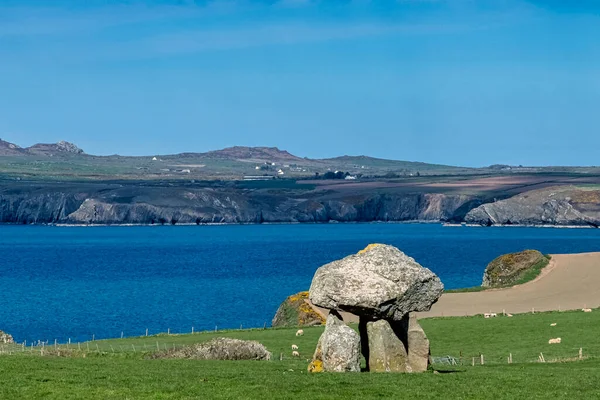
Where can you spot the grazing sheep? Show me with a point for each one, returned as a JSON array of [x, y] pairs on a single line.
[[294, 347], [300, 332], [493, 315], [554, 341], [553, 324], [508, 315], [586, 309], [489, 315], [295, 354], [486, 315]]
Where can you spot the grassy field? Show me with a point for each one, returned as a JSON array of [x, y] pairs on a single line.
[[102, 374]]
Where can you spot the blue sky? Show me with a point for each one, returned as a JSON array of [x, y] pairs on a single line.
[[461, 82]]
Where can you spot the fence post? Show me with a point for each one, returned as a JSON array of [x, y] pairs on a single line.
[[280, 356], [481, 355], [192, 330], [121, 334], [581, 353], [146, 331], [473, 362]]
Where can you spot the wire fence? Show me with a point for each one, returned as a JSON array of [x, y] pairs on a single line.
[[107, 348]]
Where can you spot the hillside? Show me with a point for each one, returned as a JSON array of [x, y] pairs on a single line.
[[10, 149], [64, 160]]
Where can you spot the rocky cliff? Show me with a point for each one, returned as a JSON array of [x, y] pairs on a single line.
[[119, 204], [560, 206]]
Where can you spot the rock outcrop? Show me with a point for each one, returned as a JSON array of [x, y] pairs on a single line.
[[219, 349], [508, 269], [382, 286], [338, 349], [560, 206], [297, 311], [5, 338], [379, 282], [103, 203]]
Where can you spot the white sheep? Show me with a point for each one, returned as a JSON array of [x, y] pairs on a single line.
[[489, 315], [294, 347], [554, 341], [493, 315], [300, 332], [295, 354], [553, 324], [586, 309], [508, 315]]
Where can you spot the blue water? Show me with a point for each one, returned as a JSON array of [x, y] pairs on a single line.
[[75, 282]]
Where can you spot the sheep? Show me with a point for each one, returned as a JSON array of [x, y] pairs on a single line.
[[508, 315], [553, 324], [295, 354], [294, 347], [554, 341], [586, 309], [300, 332], [489, 315], [493, 315]]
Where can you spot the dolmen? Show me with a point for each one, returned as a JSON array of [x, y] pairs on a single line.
[[382, 286]]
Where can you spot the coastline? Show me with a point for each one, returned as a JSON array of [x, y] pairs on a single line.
[[333, 222]]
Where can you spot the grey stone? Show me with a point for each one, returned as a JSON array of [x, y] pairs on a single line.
[[219, 349], [387, 353], [380, 282], [338, 349], [418, 346]]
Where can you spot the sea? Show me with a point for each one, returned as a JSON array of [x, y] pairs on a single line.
[[79, 283]]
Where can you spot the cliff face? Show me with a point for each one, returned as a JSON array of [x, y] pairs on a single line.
[[159, 205], [560, 206]]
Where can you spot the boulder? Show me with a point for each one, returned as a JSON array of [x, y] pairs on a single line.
[[380, 282], [296, 310], [5, 338], [338, 349], [219, 349], [418, 346], [509, 268], [387, 353]]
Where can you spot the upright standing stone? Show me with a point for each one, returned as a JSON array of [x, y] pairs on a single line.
[[387, 353], [338, 349], [418, 346]]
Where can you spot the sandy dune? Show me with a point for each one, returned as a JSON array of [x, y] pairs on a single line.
[[569, 282]]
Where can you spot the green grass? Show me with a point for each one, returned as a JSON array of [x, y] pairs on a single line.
[[126, 374]]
